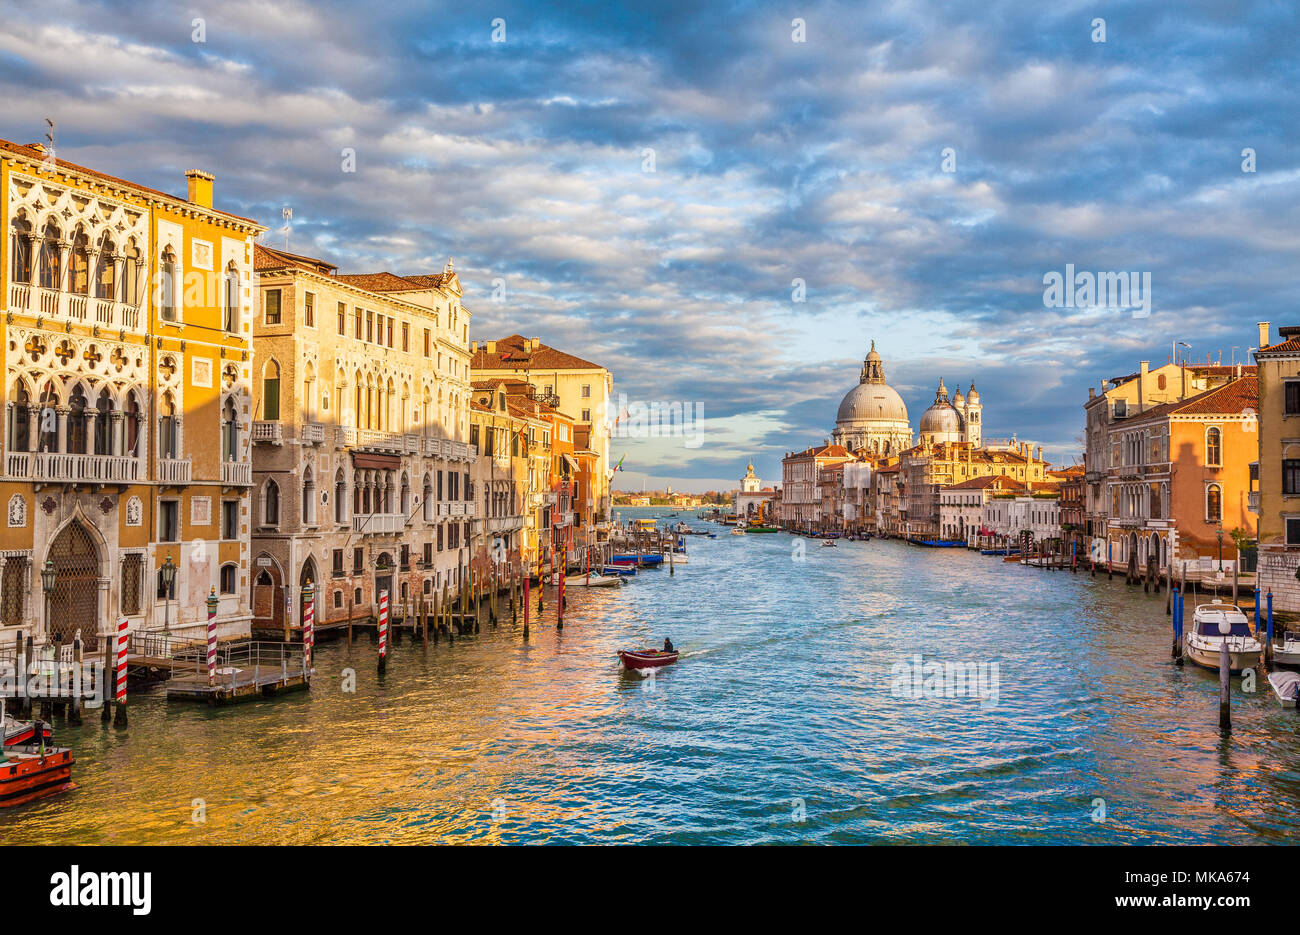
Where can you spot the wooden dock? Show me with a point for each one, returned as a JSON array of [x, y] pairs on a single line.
[[243, 672]]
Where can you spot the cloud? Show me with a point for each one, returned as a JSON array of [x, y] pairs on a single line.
[[772, 161]]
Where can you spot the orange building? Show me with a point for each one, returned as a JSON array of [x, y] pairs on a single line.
[[1179, 476]]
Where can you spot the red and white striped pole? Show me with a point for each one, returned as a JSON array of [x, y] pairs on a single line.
[[119, 717], [212, 638], [308, 627], [383, 631]]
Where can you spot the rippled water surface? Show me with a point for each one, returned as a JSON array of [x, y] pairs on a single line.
[[778, 724]]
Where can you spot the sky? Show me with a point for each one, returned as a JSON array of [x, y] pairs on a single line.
[[726, 203]]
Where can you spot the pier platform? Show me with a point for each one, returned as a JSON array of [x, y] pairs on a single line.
[[243, 672]]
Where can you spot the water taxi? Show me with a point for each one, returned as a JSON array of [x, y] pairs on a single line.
[[1203, 642], [30, 771]]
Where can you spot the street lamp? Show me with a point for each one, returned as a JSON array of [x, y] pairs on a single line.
[[168, 573], [49, 575], [1220, 535]]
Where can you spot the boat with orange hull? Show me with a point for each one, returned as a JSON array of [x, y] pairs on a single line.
[[33, 771], [646, 658]]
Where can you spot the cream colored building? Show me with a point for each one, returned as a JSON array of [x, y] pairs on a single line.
[[361, 454]]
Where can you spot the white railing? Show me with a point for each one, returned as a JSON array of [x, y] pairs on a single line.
[[55, 466], [378, 523], [67, 306], [271, 432], [313, 433], [344, 436], [411, 444], [236, 473], [173, 471]]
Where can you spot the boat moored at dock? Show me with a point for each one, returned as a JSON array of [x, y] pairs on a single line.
[[1205, 640]]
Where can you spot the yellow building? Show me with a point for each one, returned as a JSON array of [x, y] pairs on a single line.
[[500, 478], [361, 454], [1277, 498], [127, 402]]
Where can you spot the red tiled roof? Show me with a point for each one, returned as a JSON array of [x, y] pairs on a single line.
[[391, 282], [265, 258], [1231, 397], [510, 355], [980, 483], [31, 151]]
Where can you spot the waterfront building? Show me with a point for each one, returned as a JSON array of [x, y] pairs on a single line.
[[872, 416], [1073, 509], [962, 506], [753, 500], [579, 388], [499, 478], [801, 501], [361, 461], [1180, 476], [1276, 498], [887, 487], [127, 403], [928, 468], [854, 503], [1025, 513], [1121, 398]]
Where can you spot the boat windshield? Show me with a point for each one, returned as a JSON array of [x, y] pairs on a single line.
[[1211, 628]]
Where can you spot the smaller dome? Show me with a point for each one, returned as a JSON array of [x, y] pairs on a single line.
[[974, 394], [940, 419]]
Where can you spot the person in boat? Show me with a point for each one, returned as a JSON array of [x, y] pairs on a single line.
[[668, 645]]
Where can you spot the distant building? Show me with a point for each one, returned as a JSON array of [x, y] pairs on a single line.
[[753, 500], [801, 503]]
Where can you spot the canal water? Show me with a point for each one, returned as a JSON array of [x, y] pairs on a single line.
[[785, 721]]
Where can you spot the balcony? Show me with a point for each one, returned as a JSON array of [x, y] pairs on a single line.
[[1252, 501], [72, 468], [378, 524], [76, 309], [173, 471], [348, 437], [268, 433], [313, 433], [236, 474]]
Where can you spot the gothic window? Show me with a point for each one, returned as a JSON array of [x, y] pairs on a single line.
[[229, 431], [230, 298], [80, 270], [51, 258], [104, 424], [77, 421], [340, 497], [106, 270], [271, 504], [168, 428], [308, 499], [168, 284], [271, 391], [20, 418], [20, 241], [132, 270], [131, 426]]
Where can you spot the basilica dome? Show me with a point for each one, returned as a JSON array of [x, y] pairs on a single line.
[[942, 422], [872, 415]]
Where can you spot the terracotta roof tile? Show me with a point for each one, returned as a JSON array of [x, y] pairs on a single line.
[[510, 355]]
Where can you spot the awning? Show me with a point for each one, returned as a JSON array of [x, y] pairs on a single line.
[[569, 460], [382, 462]]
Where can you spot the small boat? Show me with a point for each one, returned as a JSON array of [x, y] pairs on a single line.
[[593, 581], [1203, 642], [1287, 651], [737, 531], [678, 558], [627, 569], [30, 771], [25, 732], [646, 658], [1286, 685], [828, 543]]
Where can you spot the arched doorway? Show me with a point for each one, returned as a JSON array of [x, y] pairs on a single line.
[[308, 576], [74, 605], [268, 605], [384, 579]]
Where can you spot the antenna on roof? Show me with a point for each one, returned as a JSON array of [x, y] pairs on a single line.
[[49, 139], [287, 214]]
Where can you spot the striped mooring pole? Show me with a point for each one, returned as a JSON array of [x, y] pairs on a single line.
[[119, 716], [308, 627], [383, 631], [212, 639]]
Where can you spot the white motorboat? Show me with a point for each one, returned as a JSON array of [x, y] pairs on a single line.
[[1202, 643], [828, 543], [737, 530], [1286, 652], [678, 558], [593, 581]]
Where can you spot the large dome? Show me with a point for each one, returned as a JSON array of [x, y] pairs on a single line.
[[870, 402]]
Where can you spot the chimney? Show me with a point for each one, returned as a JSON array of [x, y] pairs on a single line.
[[1263, 334], [536, 343], [1092, 393], [491, 347], [200, 188], [1040, 452]]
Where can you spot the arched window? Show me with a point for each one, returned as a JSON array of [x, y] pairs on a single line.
[[20, 419], [1213, 447], [167, 285], [1161, 382], [229, 431], [51, 257], [20, 248], [427, 503], [229, 577], [80, 269], [1214, 504], [271, 504], [271, 391], [230, 298], [106, 269], [104, 424], [132, 426], [406, 496], [77, 421], [168, 428], [308, 498], [132, 270], [340, 497]]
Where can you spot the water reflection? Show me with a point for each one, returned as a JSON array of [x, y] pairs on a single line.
[[778, 724]]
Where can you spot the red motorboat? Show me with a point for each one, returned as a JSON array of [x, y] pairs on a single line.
[[31, 771], [646, 658], [25, 732]]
